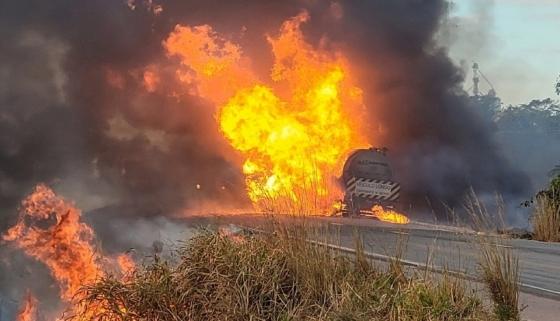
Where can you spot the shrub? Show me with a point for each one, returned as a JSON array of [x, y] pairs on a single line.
[[277, 277]]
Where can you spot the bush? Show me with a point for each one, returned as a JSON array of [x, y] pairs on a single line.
[[276, 277]]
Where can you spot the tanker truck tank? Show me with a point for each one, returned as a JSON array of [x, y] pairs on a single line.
[[367, 179]]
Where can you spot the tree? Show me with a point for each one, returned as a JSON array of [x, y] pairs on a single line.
[[538, 116], [558, 86], [487, 106], [555, 175]]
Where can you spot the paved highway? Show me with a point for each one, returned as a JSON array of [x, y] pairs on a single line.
[[442, 247], [456, 250]]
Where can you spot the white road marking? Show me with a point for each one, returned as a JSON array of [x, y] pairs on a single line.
[[433, 268]]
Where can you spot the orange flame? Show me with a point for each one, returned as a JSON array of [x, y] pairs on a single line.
[[294, 134], [28, 311], [49, 229], [126, 265], [390, 216], [213, 65]]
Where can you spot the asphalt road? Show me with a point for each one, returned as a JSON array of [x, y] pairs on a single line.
[[457, 251], [440, 247]]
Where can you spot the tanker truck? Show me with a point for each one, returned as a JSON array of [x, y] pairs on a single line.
[[367, 179]]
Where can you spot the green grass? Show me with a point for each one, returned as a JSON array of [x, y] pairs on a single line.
[[278, 276]]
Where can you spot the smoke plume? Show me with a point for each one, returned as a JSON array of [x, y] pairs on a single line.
[[83, 108], [78, 110]]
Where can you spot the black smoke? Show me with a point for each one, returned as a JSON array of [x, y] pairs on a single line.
[[74, 112], [440, 145]]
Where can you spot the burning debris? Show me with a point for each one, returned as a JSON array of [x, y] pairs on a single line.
[[389, 215]]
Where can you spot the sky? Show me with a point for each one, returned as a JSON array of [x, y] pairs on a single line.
[[515, 42]]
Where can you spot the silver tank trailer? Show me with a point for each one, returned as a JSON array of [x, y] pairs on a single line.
[[367, 179]]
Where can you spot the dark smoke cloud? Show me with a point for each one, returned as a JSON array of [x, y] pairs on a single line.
[[470, 38], [441, 147], [63, 122], [74, 112]]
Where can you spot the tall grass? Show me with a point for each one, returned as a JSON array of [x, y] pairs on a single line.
[[500, 273], [278, 276], [481, 218], [546, 217], [315, 192], [498, 264]]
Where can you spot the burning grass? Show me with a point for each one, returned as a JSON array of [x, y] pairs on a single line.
[[277, 276]]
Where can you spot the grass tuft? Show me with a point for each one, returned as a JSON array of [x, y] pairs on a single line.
[[500, 272], [498, 264], [546, 217], [277, 276]]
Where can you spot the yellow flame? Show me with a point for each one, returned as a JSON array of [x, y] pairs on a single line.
[[294, 133], [387, 215]]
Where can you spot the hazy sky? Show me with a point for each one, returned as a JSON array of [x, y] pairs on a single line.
[[515, 42]]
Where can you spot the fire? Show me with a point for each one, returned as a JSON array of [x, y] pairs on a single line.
[[126, 265], [294, 132], [387, 215], [150, 80], [28, 312], [50, 230], [214, 66]]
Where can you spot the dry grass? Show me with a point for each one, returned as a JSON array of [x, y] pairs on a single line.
[[500, 273], [546, 217], [499, 266], [278, 276], [315, 194], [481, 218]]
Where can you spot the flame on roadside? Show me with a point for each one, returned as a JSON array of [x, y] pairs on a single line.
[[388, 215], [294, 131], [28, 312], [50, 230], [126, 265]]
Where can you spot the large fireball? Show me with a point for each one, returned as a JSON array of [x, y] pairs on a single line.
[[294, 131]]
